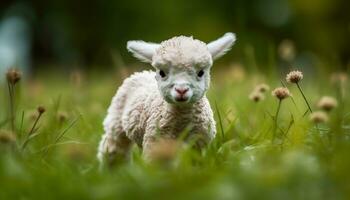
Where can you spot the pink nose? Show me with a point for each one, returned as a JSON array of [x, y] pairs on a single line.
[[181, 91]]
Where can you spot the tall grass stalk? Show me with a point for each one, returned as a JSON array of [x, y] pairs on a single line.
[[12, 76], [220, 123], [62, 134], [276, 118], [304, 97], [31, 132], [12, 108]]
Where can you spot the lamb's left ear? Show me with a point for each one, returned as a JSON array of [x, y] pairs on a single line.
[[219, 47], [142, 50]]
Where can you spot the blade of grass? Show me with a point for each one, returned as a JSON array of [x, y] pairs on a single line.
[[21, 126], [220, 122], [63, 133]]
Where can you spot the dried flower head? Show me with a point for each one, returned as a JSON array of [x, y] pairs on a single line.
[[41, 109], [281, 93], [327, 103], [13, 76], [256, 96], [262, 88], [294, 76], [319, 117]]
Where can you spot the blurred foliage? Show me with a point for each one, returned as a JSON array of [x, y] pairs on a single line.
[[245, 161], [88, 33]]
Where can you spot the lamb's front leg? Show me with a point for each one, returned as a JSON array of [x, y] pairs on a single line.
[[113, 148], [148, 143]]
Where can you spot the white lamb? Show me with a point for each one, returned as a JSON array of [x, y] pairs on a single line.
[[163, 103]]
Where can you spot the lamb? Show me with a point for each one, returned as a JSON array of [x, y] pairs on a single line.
[[161, 104]]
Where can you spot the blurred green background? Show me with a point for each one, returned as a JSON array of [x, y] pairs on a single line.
[[73, 57], [90, 34]]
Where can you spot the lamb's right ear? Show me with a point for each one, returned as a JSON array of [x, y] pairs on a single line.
[[142, 50], [220, 46]]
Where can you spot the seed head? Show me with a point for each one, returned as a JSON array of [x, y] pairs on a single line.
[[319, 117], [41, 109], [262, 88], [256, 96], [327, 103], [13, 76], [294, 76], [281, 93]]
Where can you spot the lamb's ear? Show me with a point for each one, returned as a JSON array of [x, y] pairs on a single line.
[[219, 47], [142, 50]]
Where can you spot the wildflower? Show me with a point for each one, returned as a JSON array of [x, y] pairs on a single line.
[[13, 76], [327, 103], [319, 117], [41, 109], [294, 76], [262, 88], [256, 96], [281, 93]]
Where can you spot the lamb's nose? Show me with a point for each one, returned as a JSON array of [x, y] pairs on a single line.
[[181, 91]]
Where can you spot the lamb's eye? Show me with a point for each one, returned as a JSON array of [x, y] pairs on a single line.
[[200, 73], [162, 73]]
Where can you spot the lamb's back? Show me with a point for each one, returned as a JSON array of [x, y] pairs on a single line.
[[140, 80]]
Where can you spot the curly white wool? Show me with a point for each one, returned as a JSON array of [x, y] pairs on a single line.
[[182, 51]]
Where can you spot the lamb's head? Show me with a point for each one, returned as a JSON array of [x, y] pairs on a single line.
[[182, 65]]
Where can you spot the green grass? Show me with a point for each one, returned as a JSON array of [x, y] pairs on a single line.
[[249, 159]]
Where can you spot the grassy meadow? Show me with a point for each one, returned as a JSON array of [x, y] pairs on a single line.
[[260, 151]]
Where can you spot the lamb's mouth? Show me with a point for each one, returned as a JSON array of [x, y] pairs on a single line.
[[181, 99]]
